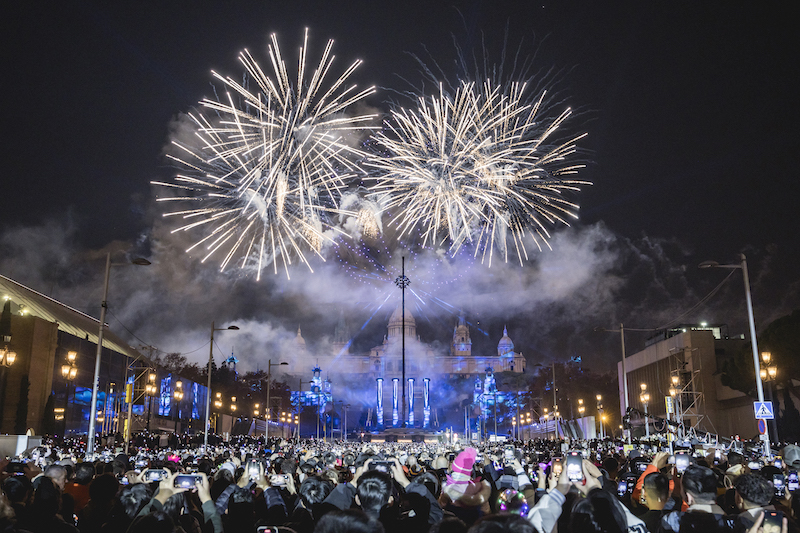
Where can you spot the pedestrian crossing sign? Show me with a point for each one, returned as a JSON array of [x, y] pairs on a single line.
[[763, 410]]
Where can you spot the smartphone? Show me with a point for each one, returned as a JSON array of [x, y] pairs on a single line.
[[574, 462], [508, 454], [681, 462], [16, 468], [641, 466], [253, 469], [778, 462], [754, 465], [779, 482], [381, 466], [186, 481], [279, 479], [793, 481], [622, 488], [154, 474], [773, 522], [557, 466], [267, 529]]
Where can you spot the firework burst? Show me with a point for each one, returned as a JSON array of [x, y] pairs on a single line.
[[477, 165], [262, 183]]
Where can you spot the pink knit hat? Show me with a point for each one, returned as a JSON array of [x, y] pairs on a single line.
[[460, 482]]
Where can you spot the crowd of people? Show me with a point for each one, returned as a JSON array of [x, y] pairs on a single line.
[[250, 485]]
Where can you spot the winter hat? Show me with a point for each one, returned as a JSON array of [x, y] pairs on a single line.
[[460, 483]]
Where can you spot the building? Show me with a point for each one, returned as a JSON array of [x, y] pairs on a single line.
[[689, 359], [381, 368], [48, 388]]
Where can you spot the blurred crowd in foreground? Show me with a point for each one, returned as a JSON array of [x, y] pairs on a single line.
[[307, 486]]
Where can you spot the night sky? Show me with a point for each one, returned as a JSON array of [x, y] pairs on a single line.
[[691, 110]]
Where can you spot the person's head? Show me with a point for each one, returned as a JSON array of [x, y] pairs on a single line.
[[133, 497], [240, 515], [18, 489], [430, 481], [504, 523], [656, 491], [103, 489], [374, 491], [699, 485], [348, 521], [58, 474], [450, 524], [611, 466], [735, 458], [46, 499], [157, 522], [84, 472], [313, 490], [752, 491], [599, 511]]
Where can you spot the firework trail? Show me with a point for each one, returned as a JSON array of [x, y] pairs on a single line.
[[263, 182], [476, 165]]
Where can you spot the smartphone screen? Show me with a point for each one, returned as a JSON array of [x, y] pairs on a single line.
[[773, 522], [557, 467], [622, 488], [778, 482], [575, 466], [793, 481]]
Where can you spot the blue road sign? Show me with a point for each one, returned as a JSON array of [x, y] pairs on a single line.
[[762, 426], [763, 410]]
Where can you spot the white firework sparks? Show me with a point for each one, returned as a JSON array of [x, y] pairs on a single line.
[[268, 168], [476, 166]]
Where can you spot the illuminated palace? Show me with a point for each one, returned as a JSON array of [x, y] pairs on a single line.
[[382, 369]]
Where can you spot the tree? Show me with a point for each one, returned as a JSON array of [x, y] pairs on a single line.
[[782, 339]]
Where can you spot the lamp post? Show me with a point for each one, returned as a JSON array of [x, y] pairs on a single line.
[[769, 374], [600, 413], [402, 281], [268, 410], [69, 372], [753, 340], [150, 390], [208, 389], [217, 406], [644, 397], [675, 393], [96, 380], [178, 395]]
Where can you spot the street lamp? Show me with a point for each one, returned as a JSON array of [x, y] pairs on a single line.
[[644, 397], [96, 381], [600, 413], [753, 340], [208, 389], [270, 364], [69, 372], [150, 390], [769, 373], [178, 395]]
